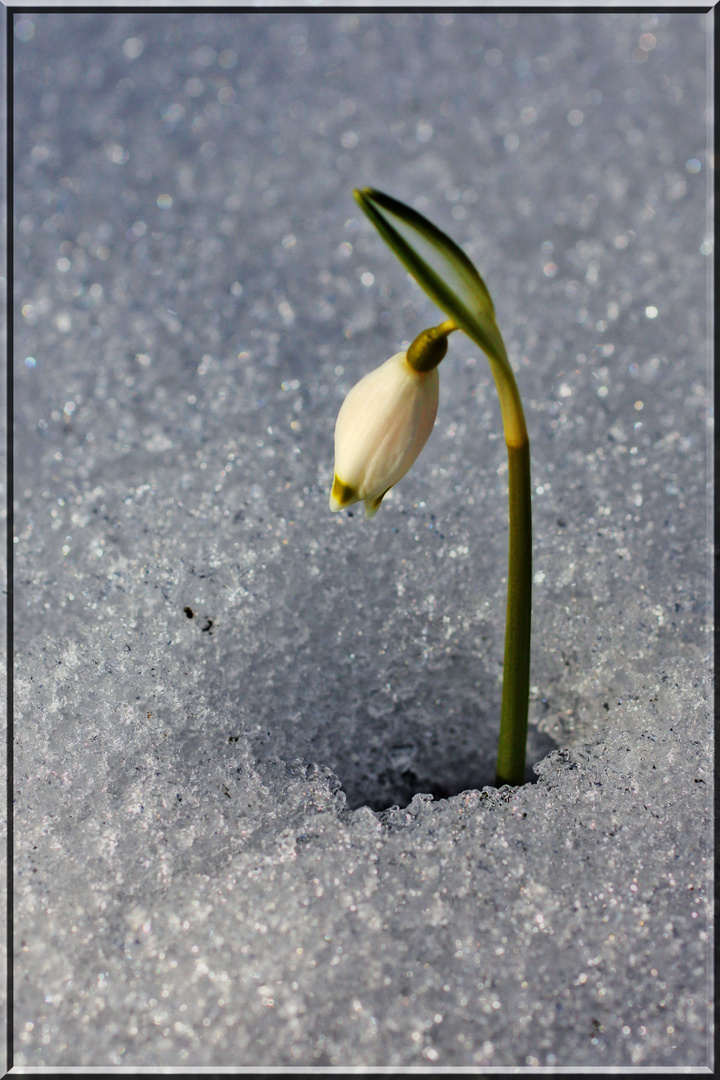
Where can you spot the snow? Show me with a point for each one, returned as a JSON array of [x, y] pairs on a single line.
[[255, 822]]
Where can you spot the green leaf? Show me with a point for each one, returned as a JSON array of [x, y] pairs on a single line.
[[439, 266]]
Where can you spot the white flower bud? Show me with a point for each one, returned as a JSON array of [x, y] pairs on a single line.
[[382, 426]]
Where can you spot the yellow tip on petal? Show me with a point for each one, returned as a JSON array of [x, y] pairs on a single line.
[[342, 495], [373, 505]]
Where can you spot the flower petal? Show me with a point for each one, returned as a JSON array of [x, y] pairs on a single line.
[[342, 495], [381, 428]]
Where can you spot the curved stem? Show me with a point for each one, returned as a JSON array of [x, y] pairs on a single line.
[[510, 767], [448, 276]]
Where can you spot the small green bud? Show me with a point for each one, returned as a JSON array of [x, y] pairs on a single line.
[[429, 347]]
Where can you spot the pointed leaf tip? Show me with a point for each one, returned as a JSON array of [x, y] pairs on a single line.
[[440, 267]]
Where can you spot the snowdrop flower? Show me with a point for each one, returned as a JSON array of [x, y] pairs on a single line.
[[385, 421], [387, 418], [381, 428]]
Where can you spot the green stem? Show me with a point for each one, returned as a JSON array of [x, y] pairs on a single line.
[[516, 668], [448, 276]]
